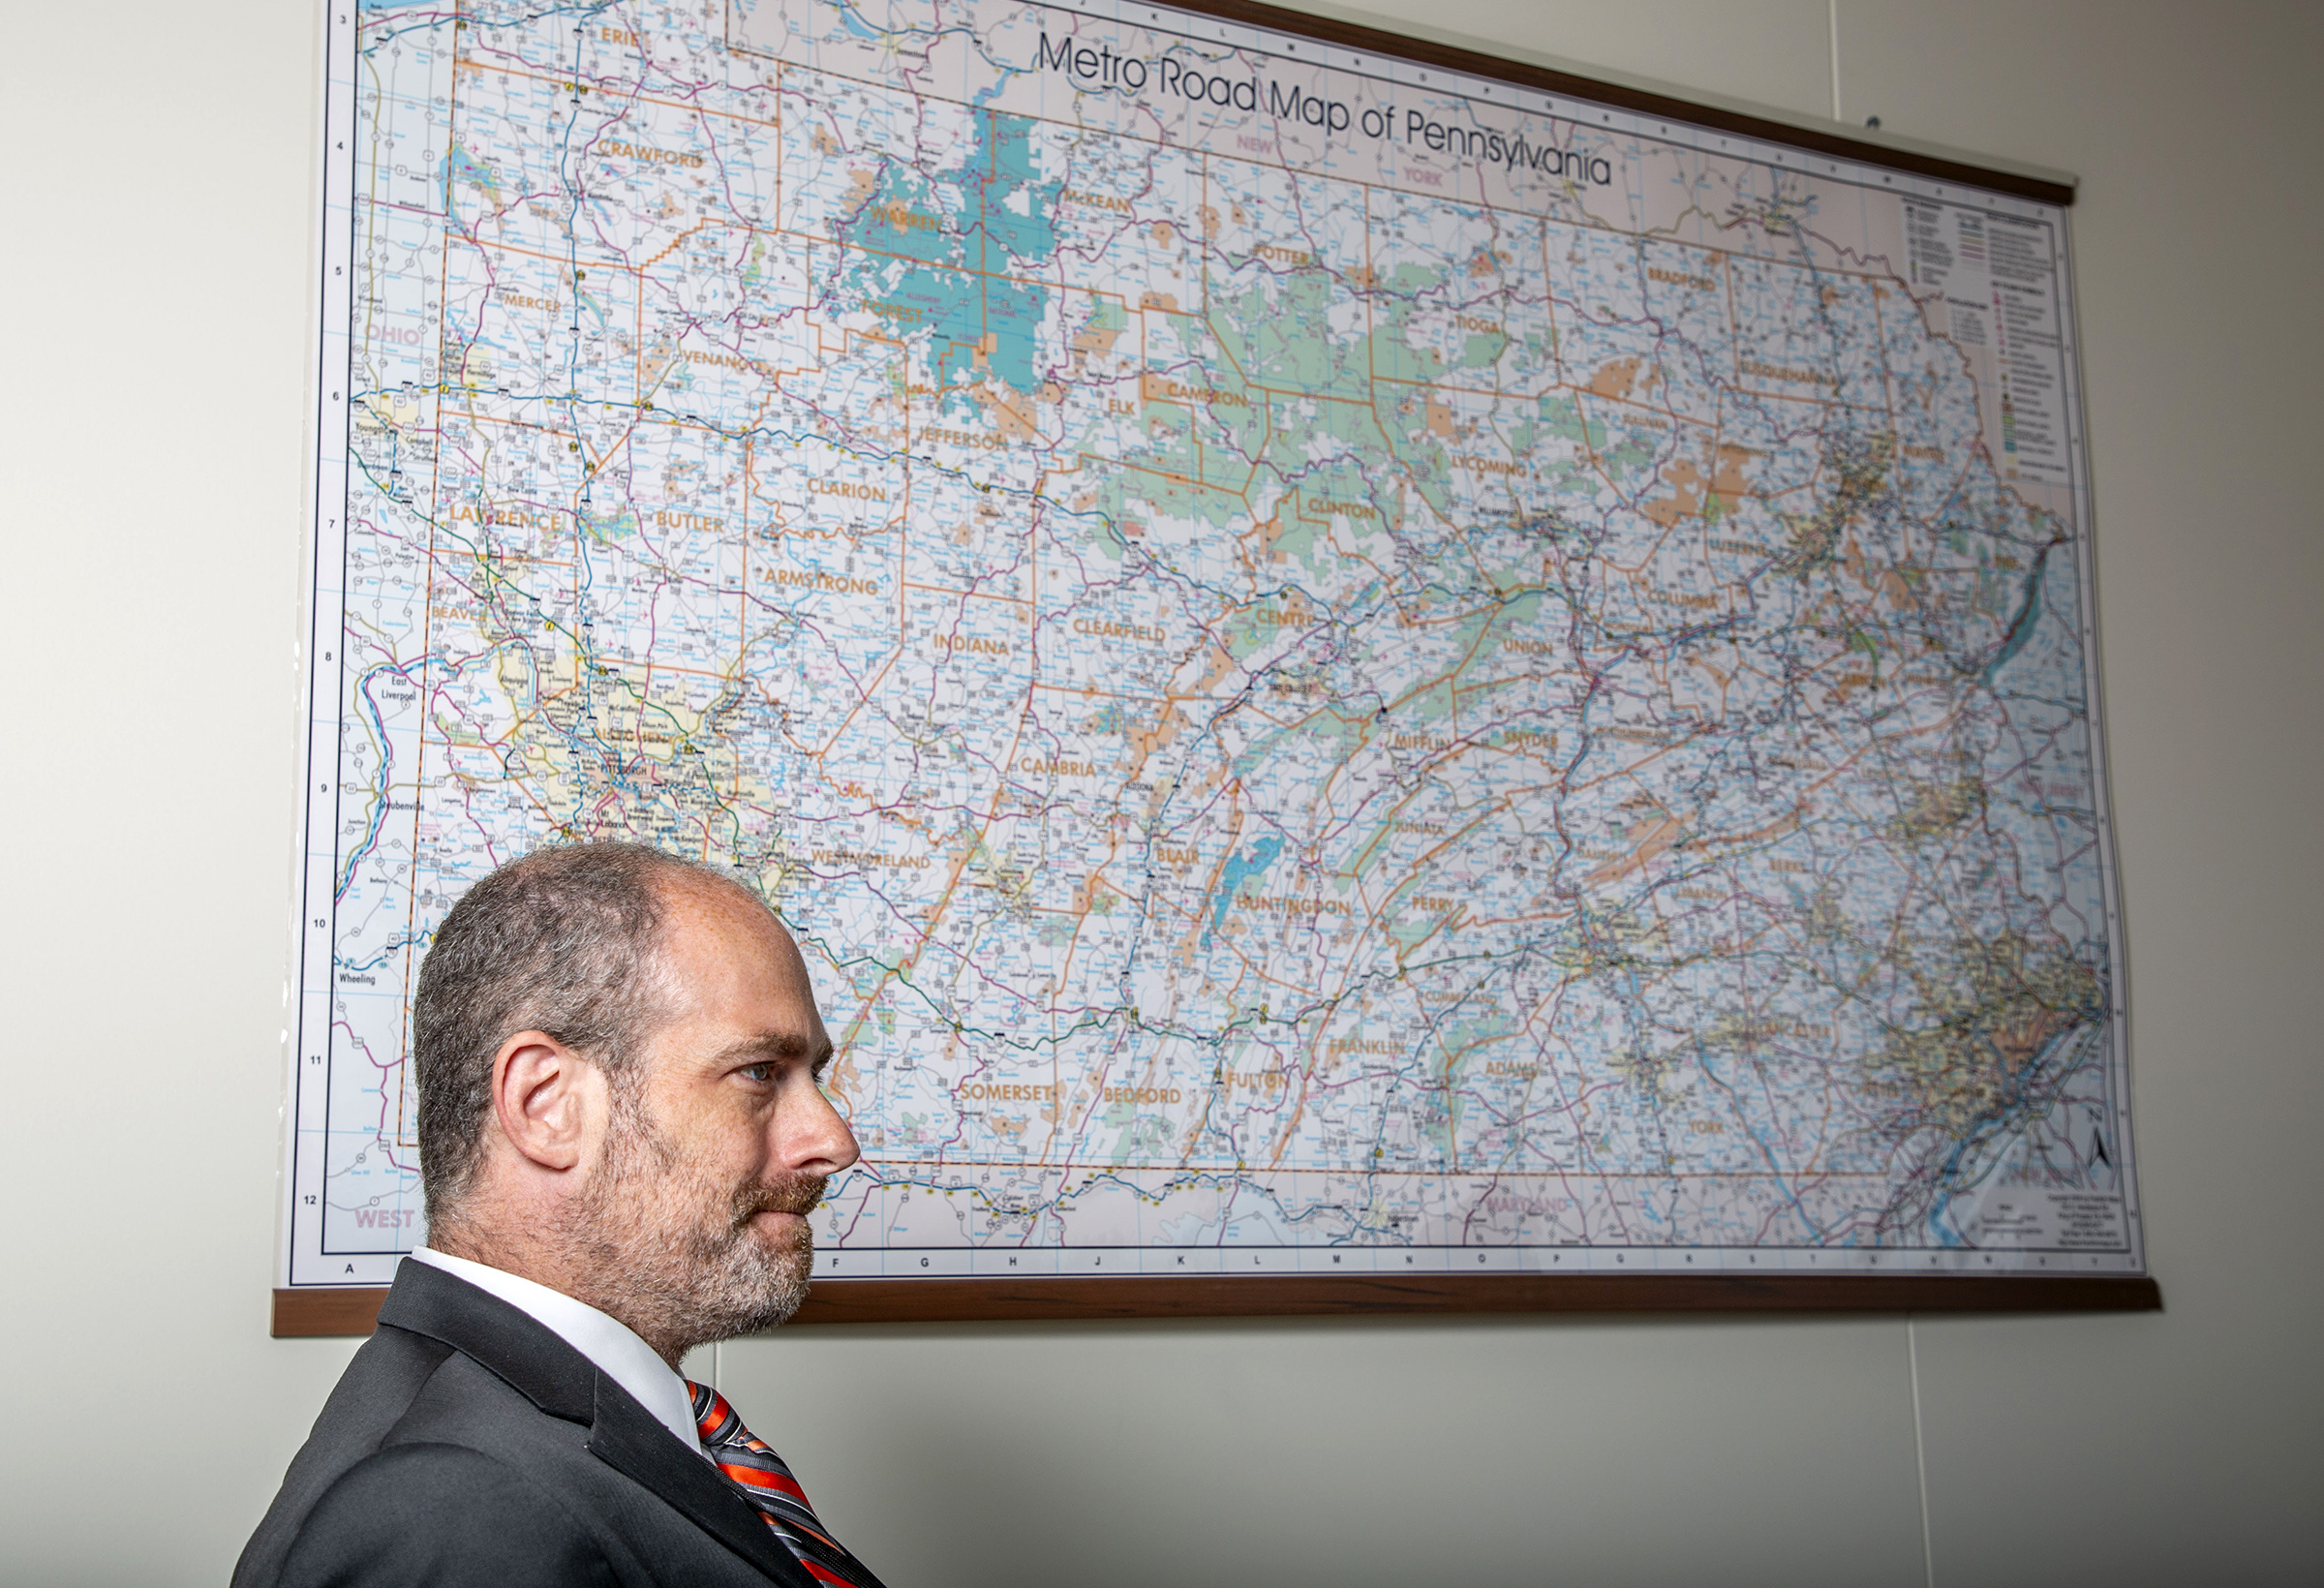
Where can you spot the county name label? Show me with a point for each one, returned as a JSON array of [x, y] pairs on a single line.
[[1339, 667]]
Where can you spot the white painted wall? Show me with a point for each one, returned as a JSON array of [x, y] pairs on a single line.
[[153, 424]]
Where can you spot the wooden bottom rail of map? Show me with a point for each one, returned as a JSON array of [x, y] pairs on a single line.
[[351, 1311]]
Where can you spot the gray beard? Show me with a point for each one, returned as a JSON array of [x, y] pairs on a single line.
[[673, 1249]]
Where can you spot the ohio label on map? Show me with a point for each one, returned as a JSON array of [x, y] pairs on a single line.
[[1339, 668]]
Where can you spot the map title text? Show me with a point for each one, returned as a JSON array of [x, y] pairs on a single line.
[[1098, 67]]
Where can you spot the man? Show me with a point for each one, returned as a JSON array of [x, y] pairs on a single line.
[[621, 1132]]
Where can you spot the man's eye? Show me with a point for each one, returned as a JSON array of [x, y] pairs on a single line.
[[759, 1073]]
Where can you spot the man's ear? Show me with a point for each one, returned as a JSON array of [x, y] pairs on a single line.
[[546, 1098]]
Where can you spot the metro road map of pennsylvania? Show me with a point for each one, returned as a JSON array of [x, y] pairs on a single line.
[[1339, 667]]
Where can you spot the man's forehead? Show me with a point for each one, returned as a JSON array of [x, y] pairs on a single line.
[[734, 987], [709, 903], [717, 936]]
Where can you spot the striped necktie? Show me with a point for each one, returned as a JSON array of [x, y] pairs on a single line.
[[772, 1492]]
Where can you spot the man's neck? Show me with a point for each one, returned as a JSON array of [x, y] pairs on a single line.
[[545, 1264]]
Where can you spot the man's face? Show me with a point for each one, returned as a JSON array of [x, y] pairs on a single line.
[[721, 1138]]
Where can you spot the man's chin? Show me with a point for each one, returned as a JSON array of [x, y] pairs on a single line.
[[786, 1244], [777, 1304], [745, 1305], [777, 1280]]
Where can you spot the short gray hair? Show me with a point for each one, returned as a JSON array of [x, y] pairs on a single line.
[[565, 940]]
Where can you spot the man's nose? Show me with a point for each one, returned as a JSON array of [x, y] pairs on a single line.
[[819, 1141]]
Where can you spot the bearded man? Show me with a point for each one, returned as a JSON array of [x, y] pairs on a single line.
[[621, 1133]]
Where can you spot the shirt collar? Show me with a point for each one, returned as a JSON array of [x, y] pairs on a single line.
[[607, 1341]]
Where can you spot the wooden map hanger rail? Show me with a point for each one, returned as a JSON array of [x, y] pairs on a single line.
[[354, 1311], [1648, 102]]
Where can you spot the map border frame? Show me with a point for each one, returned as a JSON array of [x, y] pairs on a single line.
[[1291, 1284]]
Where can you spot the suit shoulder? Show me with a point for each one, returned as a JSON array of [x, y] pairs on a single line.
[[417, 1512], [377, 1389]]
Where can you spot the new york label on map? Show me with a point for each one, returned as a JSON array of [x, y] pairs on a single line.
[[1334, 672]]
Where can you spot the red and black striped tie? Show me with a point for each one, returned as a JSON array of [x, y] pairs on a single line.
[[772, 1492]]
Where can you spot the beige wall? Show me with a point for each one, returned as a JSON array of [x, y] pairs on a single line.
[[153, 425]]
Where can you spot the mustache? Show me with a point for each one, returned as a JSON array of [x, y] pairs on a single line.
[[799, 1193]]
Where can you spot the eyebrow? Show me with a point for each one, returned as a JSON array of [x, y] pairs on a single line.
[[782, 1045]]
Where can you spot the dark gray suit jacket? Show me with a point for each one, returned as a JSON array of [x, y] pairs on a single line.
[[468, 1444]]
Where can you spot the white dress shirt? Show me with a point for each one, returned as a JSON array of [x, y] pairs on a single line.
[[607, 1341]]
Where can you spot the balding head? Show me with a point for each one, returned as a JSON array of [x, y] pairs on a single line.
[[567, 941]]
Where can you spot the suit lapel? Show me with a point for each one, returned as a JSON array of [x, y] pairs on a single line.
[[633, 1442], [536, 1362], [531, 1358]]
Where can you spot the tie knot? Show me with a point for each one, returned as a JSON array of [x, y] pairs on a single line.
[[713, 1418]]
